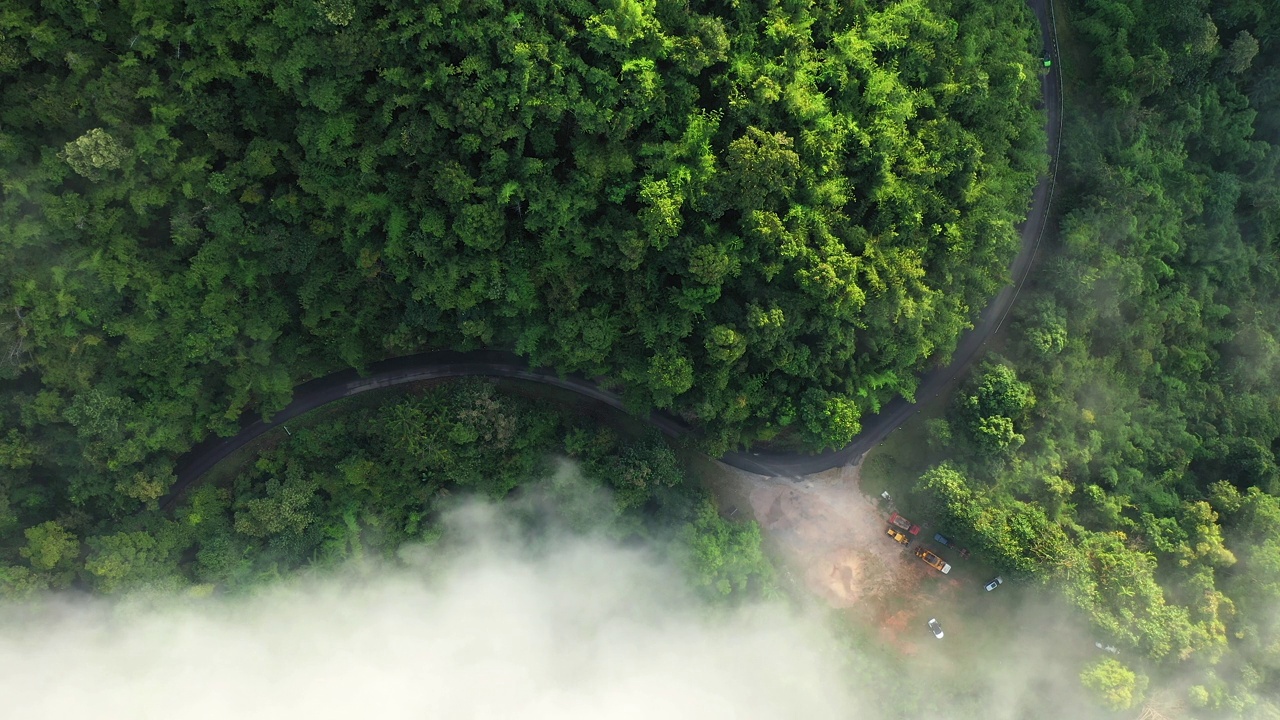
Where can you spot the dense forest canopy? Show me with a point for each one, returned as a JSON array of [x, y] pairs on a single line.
[[1124, 448], [762, 216], [758, 215]]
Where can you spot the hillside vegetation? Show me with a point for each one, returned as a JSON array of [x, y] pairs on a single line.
[[760, 216], [1124, 447], [363, 481]]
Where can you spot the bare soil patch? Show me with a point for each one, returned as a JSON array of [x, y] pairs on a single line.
[[832, 538]]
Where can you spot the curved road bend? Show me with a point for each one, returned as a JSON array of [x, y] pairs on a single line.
[[896, 412], [446, 364]]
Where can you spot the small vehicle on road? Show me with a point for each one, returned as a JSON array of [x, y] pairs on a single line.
[[995, 583], [897, 536], [933, 561], [936, 627]]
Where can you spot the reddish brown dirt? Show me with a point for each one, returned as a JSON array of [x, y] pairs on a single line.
[[830, 535], [894, 628], [830, 541]]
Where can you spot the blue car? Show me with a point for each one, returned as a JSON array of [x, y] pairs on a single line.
[[942, 539]]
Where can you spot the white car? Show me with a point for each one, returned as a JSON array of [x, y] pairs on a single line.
[[995, 583], [935, 627]]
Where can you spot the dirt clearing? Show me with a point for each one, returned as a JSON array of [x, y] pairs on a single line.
[[830, 538]]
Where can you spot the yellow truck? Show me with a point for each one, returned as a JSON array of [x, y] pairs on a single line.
[[897, 536], [932, 560]]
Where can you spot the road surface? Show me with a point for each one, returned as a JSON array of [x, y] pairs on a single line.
[[875, 428]]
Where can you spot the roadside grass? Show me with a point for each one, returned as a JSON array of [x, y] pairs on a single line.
[[893, 465], [1075, 56]]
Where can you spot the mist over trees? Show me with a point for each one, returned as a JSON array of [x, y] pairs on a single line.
[[761, 217], [484, 625], [1124, 447], [369, 478]]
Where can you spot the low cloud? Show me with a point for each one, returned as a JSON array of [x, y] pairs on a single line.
[[482, 627]]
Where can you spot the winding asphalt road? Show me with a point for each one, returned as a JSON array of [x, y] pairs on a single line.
[[437, 365]]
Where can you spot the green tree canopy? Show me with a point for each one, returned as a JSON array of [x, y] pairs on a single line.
[[50, 546], [721, 207], [1117, 687]]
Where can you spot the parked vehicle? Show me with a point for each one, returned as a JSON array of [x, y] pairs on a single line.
[[933, 561], [904, 523], [900, 521], [897, 536], [936, 627], [995, 583], [942, 539]]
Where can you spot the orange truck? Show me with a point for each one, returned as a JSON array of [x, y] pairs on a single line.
[[932, 560]]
